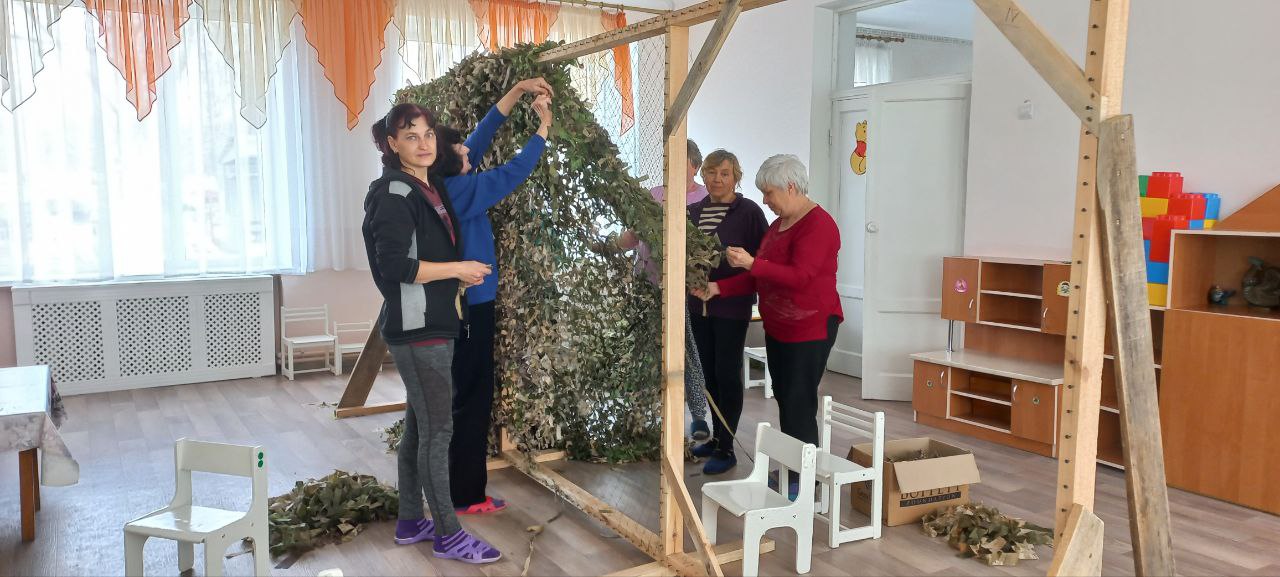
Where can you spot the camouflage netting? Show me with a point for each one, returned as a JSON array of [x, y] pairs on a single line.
[[578, 336]]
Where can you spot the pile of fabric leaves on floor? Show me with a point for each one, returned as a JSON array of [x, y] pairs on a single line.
[[986, 533], [332, 509]]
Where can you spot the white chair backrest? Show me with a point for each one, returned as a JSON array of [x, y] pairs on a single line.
[[318, 316], [792, 453], [851, 420], [222, 459], [361, 328]]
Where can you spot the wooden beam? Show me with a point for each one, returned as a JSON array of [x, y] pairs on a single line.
[[540, 457], [1080, 553], [362, 375], [1086, 324], [696, 14], [1054, 65], [1135, 358], [366, 410], [626, 527], [675, 155], [726, 553], [691, 518], [702, 65]]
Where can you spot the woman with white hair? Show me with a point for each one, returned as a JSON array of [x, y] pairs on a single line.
[[794, 273]]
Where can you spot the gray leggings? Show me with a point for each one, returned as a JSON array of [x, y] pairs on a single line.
[[423, 459]]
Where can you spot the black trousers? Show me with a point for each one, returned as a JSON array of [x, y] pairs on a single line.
[[473, 377], [797, 369], [720, 343]]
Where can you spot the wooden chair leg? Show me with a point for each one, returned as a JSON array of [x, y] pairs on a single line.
[[27, 479]]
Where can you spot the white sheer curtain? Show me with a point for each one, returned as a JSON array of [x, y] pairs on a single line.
[[872, 63]]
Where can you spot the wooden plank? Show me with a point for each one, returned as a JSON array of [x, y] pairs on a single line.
[[1261, 214], [1044, 55], [362, 411], [1135, 355], [541, 457], [1080, 552], [626, 527], [696, 14], [362, 375], [1086, 309], [726, 553], [702, 65], [691, 518], [675, 155], [27, 478]]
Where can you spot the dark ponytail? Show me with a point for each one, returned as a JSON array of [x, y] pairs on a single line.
[[448, 162], [400, 117]]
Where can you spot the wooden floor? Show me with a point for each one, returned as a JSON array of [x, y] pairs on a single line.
[[124, 442]]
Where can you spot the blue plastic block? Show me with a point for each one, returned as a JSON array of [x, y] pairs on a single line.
[[1157, 272], [1146, 249], [1195, 225]]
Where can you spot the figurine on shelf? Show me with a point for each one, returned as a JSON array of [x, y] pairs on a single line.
[[1261, 285], [1219, 295]]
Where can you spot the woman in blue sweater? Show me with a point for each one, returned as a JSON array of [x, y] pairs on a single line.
[[473, 193]]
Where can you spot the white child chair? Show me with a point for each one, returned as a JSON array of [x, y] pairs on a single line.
[[762, 508], [835, 472], [313, 316], [216, 528], [341, 348], [757, 354]]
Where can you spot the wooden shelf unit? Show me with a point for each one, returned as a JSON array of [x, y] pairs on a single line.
[[1003, 386]]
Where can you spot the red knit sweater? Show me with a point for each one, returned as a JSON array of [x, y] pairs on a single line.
[[795, 275]]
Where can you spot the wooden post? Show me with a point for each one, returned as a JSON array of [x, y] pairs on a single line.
[[1087, 322], [1135, 358], [1081, 548], [28, 476], [702, 65], [673, 294]]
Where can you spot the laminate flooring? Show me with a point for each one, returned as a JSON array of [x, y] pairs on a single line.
[[124, 443]]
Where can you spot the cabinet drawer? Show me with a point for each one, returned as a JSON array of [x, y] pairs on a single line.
[[1035, 411], [929, 389]]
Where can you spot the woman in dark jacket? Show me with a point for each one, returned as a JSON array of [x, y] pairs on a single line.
[[720, 324], [414, 254]]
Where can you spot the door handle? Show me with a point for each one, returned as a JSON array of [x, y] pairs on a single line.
[[1045, 313], [873, 227], [971, 301], [1013, 396]]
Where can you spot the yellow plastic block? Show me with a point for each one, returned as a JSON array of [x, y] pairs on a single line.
[[1153, 207], [1158, 294], [1208, 224]]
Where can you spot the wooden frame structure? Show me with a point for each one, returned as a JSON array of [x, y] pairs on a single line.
[[1106, 266]]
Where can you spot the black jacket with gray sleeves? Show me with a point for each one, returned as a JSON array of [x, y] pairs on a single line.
[[400, 229]]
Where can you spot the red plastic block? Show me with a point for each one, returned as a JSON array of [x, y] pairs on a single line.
[[1148, 228], [1164, 184], [1163, 235], [1188, 205]]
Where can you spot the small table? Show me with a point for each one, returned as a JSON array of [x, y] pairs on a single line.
[[30, 412]]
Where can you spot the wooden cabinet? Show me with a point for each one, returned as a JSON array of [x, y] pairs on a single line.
[[929, 389], [1035, 411], [960, 289], [1056, 293]]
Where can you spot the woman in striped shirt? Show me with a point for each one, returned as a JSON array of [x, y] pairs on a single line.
[[720, 324]]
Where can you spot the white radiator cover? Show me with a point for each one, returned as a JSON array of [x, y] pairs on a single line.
[[115, 336]]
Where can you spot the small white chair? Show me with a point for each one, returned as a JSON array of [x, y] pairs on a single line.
[[835, 472], [216, 528], [762, 508], [756, 353], [341, 348], [291, 344]]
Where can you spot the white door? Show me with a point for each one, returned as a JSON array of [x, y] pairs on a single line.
[[917, 147], [849, 174]]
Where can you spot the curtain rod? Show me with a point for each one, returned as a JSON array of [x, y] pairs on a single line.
[[613, 6]]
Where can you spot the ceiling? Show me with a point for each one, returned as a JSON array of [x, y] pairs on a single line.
[[950, 18]]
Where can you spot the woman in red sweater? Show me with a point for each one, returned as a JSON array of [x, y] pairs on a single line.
[[794, 272]]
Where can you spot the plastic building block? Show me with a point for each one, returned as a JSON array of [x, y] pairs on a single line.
[[1209, 223], [1142, 184], [1195, 224], [1148, 227], [1165, 225], [1164, 184], [1188, 205], [1158, 294], [1157, 272], [1153, 207]]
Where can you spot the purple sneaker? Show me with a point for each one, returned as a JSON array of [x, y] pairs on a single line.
[[414, 531], [465, 547]]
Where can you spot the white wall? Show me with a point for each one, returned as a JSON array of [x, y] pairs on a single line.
[[756, 100], [1204, 104]]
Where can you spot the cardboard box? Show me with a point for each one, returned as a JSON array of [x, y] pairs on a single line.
[[913, 488]]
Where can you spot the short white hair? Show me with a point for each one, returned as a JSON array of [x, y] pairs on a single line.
[[783, 169]]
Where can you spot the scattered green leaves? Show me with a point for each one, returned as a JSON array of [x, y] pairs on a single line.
[[392, 435], [332, 509], [986, 533], [578, 335]]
